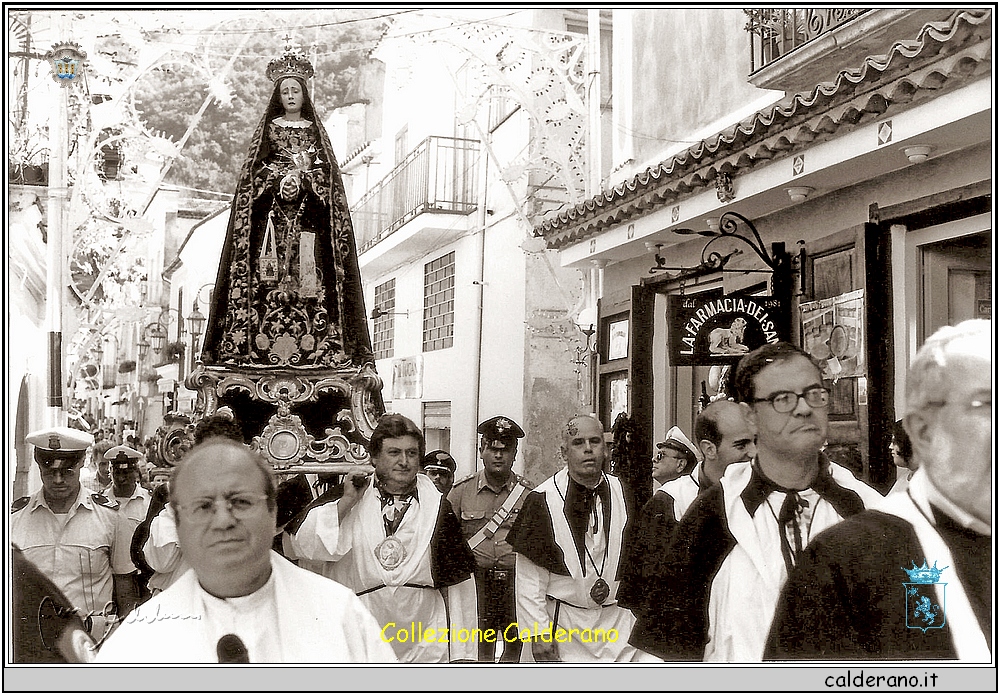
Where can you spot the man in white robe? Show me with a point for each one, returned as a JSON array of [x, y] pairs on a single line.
[[874, 586], [398, 545], [568, 539], [724, 438], [241, 602], [731, 553]]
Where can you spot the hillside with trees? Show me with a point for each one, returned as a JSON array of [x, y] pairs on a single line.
[[168, 98]]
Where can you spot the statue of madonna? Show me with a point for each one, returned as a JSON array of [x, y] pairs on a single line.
[[288, 293]]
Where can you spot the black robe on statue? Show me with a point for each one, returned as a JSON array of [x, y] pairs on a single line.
[[288, 293]]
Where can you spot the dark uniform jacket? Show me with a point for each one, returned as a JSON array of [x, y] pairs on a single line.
[[845, 598], [648, 538], [41, 613]]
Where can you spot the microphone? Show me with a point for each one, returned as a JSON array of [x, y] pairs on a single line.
[[231, 650]]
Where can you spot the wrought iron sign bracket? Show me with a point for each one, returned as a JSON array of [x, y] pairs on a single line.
[[729, 228]]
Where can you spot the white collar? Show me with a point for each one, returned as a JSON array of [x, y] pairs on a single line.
[[301, 123], [924, 493]]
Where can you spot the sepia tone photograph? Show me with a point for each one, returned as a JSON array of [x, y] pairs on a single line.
[[373, 336]]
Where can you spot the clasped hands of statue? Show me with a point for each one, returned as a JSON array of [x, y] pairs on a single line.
[[290, 186]]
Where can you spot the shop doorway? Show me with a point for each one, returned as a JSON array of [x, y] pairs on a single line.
[[956, 282]]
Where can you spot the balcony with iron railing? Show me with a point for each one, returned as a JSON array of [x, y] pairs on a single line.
[[795, 49], [438, 176], [776, 32]]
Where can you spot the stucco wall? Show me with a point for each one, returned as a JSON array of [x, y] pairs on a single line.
[[447, 373], [551, 386], [689, 69]]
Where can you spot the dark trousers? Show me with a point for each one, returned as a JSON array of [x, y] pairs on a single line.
[[495, 592]]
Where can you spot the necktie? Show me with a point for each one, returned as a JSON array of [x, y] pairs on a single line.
[[393, 509], [788, 519], [592, 507]]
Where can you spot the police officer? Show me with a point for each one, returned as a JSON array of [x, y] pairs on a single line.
[[133, 503], [47, 629], [67, 531], [97, 478], [439, 466], [487, 503]]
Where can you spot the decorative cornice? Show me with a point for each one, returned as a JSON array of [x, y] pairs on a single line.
[[944, 56]]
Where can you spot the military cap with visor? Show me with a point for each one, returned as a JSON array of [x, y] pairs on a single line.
[[678, 441], [438, 460], [59, 447], [123, 457], [500, 432]]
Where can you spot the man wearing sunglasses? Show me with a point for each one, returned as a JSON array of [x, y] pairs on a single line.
[[874, 586], [732, 551]]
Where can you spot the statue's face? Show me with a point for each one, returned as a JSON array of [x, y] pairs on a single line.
[[291, 95]]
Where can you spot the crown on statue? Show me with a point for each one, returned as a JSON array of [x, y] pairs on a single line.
[[925, 574], [290, 64]]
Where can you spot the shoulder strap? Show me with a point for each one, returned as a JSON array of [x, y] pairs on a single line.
[[499, 517], [464, 480], [19, 504], [104, 501]]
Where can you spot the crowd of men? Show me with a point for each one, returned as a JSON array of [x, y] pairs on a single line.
[[754, 546]]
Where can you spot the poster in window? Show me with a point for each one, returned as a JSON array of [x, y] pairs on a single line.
[[833, 333], [618, 340], [618, 396]]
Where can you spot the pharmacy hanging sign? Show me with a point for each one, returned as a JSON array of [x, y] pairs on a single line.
[[712, 328]]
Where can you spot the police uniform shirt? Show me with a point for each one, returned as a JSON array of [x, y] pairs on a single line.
[[76, 549], [475, 502], [132, 511], [36, 630]]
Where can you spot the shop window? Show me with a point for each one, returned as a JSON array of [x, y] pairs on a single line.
[[614, 387], [614, 339], [613, 346], [833, 330], [842, 399], [437, 425], [833, 274]]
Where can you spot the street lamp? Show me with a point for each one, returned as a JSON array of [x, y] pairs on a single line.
[[157, 336], [198, 293], [586, 355], [143, 348], [196, 324], [196, 320]]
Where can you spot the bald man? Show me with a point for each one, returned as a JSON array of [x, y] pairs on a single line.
[[241, 602], [568, 541]]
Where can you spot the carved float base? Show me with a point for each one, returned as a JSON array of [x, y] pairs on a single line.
[[320, 421]]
